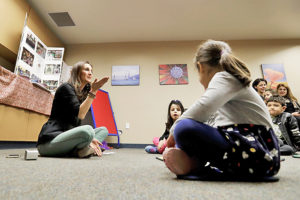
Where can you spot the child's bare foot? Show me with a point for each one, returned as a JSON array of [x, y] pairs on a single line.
[[178, 161]]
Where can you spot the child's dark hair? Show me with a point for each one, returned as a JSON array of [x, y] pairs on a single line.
[[273, 92], [170, 121], [278, 99]]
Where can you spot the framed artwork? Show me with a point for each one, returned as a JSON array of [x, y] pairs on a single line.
[[173, 74], [35, 61], [274, 74], [125, 75]]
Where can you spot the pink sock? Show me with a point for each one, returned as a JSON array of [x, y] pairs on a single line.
[[155, 141], [162, 148]]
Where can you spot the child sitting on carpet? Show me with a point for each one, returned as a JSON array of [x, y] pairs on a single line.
[[285, 126], [175, 109], [242, 135]]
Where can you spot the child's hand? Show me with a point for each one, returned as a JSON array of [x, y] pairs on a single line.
[[296, 114], [170, 141]]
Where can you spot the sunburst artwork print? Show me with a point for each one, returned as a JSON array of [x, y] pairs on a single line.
[[173, 74]]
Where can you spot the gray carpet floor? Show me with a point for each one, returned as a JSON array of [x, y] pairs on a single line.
[[128, 174]]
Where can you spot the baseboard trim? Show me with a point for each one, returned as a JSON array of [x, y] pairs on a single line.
[[16, 145]]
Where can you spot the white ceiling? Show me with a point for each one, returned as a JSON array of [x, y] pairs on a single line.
[[102, 21]]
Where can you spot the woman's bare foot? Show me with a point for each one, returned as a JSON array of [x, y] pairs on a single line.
[[86, 152]]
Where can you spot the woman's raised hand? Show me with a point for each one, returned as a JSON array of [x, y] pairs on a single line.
[[97, 84]]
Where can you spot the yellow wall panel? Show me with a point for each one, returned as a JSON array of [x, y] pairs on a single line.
[[13, 14], [13, 123], [20, 125], [35, 123]]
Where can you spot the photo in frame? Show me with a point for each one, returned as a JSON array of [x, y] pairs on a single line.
[[31, 40], [173, 74], [40, 64], [274, 74], [125, 75]]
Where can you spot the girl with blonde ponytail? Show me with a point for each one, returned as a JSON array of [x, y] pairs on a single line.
[[242, 135]]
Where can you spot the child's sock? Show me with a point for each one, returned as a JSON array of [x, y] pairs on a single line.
[[155, 141], [151, 149], [162, 148]]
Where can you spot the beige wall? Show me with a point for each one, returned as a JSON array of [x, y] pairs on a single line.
[[13, 14], [145, 106]]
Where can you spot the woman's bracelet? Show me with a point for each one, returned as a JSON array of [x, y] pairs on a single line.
[[90, 94]]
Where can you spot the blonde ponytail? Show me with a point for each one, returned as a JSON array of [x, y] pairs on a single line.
[[218, 54], [237, 68]]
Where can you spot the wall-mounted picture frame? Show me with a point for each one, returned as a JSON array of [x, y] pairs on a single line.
[[274, 74], [173, 74], [125, 75]]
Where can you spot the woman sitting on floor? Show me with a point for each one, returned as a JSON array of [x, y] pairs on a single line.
[[62, 134]]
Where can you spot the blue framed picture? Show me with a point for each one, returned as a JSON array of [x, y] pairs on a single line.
[[274, 74], [125, 75]]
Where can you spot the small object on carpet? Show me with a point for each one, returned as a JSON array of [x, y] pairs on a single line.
[[108, 152], [105, 146], [31, 155], [13, 156], [159, 158]]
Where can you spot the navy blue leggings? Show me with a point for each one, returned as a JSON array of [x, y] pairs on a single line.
[[201, 141]]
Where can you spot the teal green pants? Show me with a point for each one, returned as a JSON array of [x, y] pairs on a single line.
[[76, 138]]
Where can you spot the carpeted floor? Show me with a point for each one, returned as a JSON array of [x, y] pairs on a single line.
[[128, 174]]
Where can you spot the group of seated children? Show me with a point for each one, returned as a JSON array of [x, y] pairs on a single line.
[[285, 112], [282, 105]]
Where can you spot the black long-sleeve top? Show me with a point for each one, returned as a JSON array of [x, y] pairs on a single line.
[[64, 113]]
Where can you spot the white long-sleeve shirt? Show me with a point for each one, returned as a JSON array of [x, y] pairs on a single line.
[[234, 104]]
